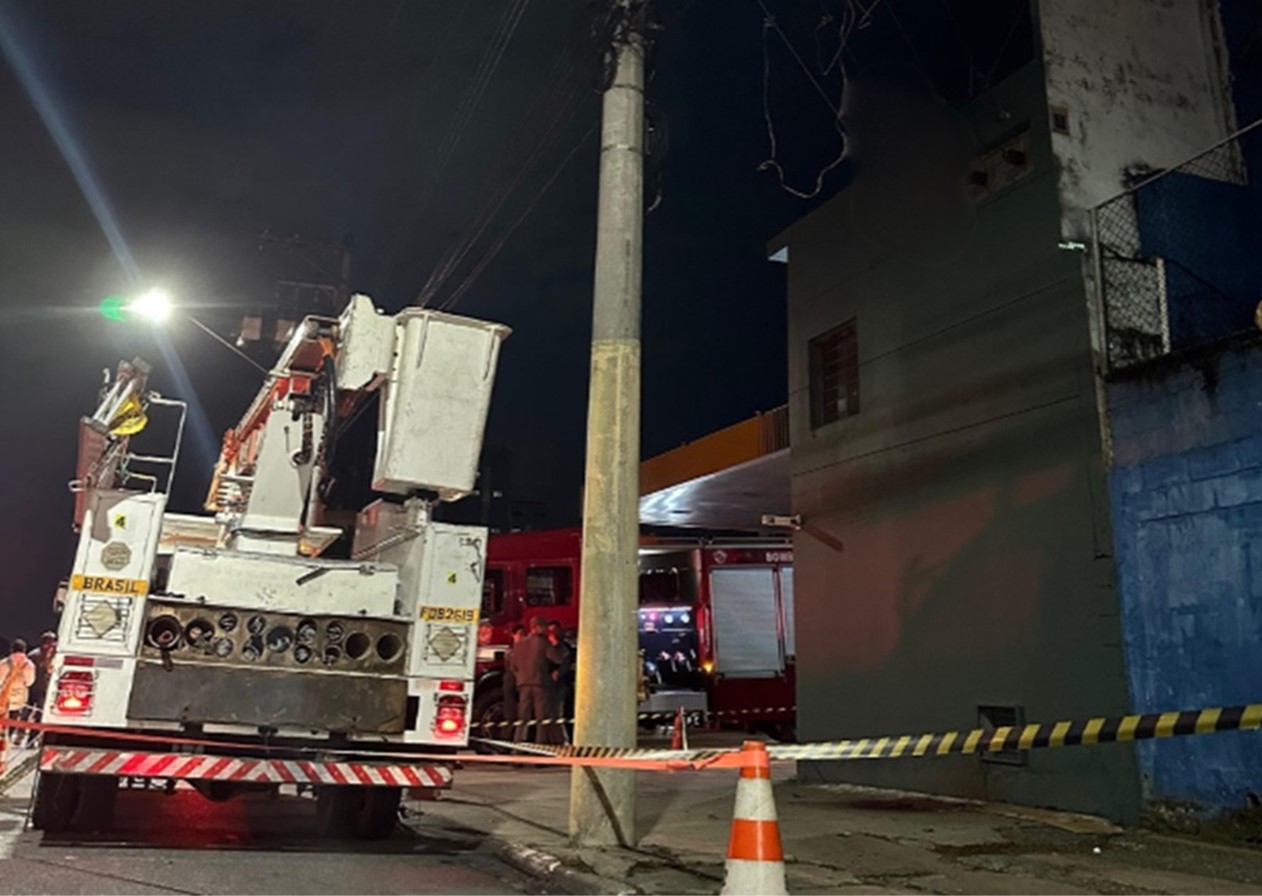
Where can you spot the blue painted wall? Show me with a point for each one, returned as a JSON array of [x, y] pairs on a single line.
[[1186, 489]]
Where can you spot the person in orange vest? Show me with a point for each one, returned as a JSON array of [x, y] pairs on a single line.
[[18, 674]]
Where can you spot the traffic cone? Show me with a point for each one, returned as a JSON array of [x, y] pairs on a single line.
[[679, 734], [755, 857]]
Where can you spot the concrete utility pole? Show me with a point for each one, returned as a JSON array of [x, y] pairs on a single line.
[[602, 802]]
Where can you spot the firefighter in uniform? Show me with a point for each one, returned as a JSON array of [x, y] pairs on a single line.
[[532, 672], [511, 696], [561, 660]]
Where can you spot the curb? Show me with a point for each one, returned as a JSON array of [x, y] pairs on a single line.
[[555, 872]]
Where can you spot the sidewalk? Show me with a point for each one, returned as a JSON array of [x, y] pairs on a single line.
[[837, 839]]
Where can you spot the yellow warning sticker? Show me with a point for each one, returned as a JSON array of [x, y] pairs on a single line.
[[109, 585], [458, 615]]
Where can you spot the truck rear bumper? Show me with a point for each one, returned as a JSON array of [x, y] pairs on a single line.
[[207, 767]]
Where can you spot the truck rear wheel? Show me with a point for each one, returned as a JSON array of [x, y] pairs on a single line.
[[56, 799], [97, 796], [488, 713], [380, 813], [338, 808], [368, 813]]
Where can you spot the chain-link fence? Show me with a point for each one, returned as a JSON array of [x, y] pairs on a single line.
[[1179, 256]]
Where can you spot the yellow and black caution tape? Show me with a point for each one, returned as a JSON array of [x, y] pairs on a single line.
[[664, 716], [1118, 729], [760, 711], [567, 751]]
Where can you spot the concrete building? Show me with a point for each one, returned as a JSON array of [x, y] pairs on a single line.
[[989, 388]]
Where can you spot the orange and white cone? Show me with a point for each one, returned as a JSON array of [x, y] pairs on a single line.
[[755, 857], [679, 733]]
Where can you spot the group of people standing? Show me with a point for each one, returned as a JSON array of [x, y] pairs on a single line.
[[538, 669], [24, 681]]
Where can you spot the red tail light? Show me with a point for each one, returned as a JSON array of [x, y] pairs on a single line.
[[450, 720], [484, 634], [75, 692]]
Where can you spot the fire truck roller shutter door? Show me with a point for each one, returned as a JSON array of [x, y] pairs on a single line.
[[745, 622]]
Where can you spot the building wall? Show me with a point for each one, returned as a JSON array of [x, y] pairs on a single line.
[[968, 491], [1142, 83], [1143, 87], [1186, 489]]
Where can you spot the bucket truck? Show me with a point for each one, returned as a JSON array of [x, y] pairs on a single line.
[[224, 651]]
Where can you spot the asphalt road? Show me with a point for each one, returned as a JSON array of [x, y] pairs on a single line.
[[182, 843]]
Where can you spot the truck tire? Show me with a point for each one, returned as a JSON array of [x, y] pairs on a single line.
[[97, 796], [56, 798], [380, 813], [338, 809], [488, 709]]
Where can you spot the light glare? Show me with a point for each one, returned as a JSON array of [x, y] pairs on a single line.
[[154, 305]]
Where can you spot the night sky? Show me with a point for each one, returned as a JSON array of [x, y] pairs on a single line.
[[195, 127]]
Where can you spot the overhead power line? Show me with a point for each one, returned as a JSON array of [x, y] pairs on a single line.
[[560, 97], [499, 243], [471, 99], [522, 160]]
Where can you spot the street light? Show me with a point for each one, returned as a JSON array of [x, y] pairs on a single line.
[[154, 305]]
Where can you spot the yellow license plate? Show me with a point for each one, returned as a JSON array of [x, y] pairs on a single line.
[[109, 585], [457, 615]]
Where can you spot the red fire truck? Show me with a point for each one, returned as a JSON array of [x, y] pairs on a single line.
[[715, 621]]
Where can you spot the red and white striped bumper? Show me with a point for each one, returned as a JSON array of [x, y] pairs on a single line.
[[205, 767]]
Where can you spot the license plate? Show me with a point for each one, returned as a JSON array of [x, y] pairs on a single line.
[[457, 615]]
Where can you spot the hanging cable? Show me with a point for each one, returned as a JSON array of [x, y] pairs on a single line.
[[769, 22], [772, 163], [854, 17]]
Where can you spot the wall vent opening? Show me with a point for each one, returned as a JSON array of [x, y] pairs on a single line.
[[991, 718]]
